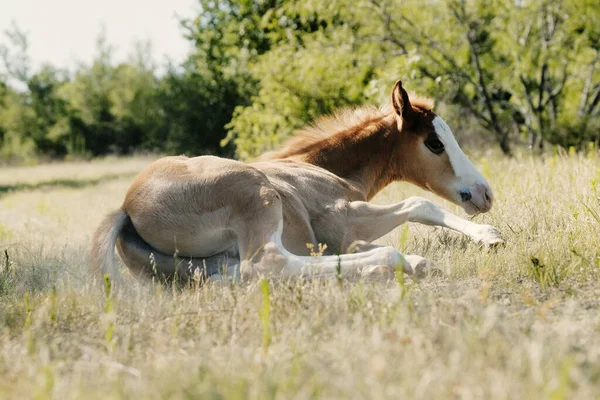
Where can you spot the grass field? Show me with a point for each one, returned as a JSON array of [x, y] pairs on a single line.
[[518, 322]]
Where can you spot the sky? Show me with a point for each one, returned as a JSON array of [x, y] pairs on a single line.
[[64, 32]]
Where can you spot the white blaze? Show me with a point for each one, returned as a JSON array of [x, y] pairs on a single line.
[[464, 169]]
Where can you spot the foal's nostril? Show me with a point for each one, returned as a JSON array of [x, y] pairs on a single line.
[[466, 196], [488, 198]]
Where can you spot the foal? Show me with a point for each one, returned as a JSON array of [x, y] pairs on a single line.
[[258, 218]]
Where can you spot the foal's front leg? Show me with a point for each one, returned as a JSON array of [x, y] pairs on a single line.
[[369, 222]]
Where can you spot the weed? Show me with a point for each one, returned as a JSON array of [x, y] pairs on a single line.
[[265, 316]]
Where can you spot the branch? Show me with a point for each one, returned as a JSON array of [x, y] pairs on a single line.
[[585, 95], [487, 123], [543, 78], [17, 66], [558, 89], [525, 37], [591, 111], [527, 93], [387, 22], [481, 78], [421, 40]]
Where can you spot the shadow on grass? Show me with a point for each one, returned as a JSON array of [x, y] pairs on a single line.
[[60, 183]]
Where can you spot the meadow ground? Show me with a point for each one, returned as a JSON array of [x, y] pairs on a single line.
[[518, 322]]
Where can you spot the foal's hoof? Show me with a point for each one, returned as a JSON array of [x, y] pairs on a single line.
[[377, 273], [488, 236], [419, 267]]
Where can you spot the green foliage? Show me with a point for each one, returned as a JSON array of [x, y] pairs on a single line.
[[515, 68], [111, 109], [516, 72], [106, 108], [197, 107], [15, 146], [297, 86]]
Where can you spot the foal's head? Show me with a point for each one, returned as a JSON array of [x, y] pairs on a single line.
[[429, 156]]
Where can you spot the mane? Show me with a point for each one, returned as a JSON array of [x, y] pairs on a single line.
[[340, 121]]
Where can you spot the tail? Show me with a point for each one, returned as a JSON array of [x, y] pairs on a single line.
[[103, 245]]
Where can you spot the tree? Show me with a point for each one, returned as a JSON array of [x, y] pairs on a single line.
[[196, 107], [527, 67], [235, 42], [298, 85], [111, 108], [550, 42], [523, 71]]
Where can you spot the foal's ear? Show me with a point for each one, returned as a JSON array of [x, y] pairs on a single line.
[[401, 102]]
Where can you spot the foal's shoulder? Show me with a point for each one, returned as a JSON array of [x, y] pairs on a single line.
[[305, 177]]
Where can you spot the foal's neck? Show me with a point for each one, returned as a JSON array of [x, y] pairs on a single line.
[[361, 155]]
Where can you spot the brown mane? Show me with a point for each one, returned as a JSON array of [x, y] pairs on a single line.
[[344, 120]]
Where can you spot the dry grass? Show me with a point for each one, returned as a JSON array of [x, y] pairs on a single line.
[[519, 322]]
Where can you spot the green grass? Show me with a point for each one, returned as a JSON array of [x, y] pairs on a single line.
[[520, 321]]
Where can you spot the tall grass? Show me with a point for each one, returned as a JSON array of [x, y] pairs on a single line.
[[520, 321]]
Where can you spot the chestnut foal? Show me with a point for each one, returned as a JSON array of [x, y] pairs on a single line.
[[220, 216]]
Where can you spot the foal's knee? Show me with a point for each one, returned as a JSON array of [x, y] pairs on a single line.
[[418, 202], [420, 206]]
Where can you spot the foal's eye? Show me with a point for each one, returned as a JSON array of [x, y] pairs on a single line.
[[434, 145]]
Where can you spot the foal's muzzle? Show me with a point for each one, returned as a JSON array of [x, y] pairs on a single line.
[[479, 199]]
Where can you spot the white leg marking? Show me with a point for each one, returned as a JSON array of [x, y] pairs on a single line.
[[329, 265], [429, 213]]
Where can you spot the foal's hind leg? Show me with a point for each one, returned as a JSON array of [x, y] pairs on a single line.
[[262, 251], [144, 261], [419, 266]]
